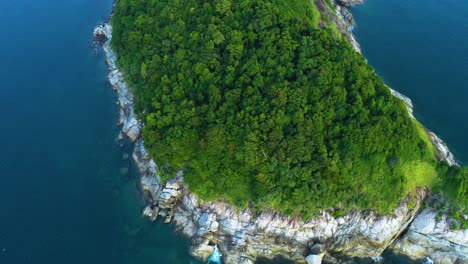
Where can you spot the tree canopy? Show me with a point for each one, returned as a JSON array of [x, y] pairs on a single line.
[[261, 107]]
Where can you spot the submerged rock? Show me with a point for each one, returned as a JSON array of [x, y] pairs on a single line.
[[348, 3], [123, 171]]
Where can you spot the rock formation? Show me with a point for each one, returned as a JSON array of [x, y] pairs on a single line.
[[429, 236], [348, 3], [131, 126]]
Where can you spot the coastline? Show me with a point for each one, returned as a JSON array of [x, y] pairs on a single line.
[[237, 233], [346, 25]]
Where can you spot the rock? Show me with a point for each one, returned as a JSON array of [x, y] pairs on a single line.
[[103, 31], [175, 183], [168, 218], [348, 3], [131, 126], [214, 226], [405, 99], [317, 249], [243, 235], [100, 34], [172, 192], [427, 237], [344, 20], [151, 213], [444, 151], [464, 216], [163, 212], [120, 136], [165, 196], [314, 259], [125, 156], [203, 250]]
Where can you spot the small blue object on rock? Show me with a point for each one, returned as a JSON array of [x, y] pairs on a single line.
[[215, 257]]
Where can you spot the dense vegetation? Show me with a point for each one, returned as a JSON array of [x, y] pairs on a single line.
[[453, 186], [263, 108]]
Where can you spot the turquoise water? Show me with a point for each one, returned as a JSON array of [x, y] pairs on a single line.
[[63, 198], [420, 48]]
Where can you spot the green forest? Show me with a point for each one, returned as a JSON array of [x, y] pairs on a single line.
[[264, 107]]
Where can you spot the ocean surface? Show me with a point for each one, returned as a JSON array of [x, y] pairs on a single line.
[[65, 193], [420, 48], [69, 195]]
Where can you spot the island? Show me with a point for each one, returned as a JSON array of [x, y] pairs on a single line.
[[260, 128]]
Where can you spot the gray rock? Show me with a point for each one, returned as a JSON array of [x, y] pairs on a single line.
[[405, 99], [152, 213], [427, 237], [444, 151], [131, 126], [348, 3], [243, 235]]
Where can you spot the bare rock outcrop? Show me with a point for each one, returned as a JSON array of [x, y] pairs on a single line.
[[429, 236]]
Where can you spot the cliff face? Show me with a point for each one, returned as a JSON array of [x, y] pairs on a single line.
[[428, 236], [245, 235]]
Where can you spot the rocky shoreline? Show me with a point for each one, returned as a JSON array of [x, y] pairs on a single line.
[[244, 235], [345, 22]]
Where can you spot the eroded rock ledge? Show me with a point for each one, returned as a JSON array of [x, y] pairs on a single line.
[[245, 235], [428, 236]]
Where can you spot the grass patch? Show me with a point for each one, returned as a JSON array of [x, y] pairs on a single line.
[[300, 9], [425, 137], [418, 173]]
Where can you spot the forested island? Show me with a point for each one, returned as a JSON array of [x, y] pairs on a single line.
[[265, 106]]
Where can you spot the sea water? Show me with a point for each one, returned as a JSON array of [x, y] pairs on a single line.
[[67, 190], [420, 48], [68, 193]]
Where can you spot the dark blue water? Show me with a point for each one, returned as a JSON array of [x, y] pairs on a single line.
[[420, 48], [63, 198]]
